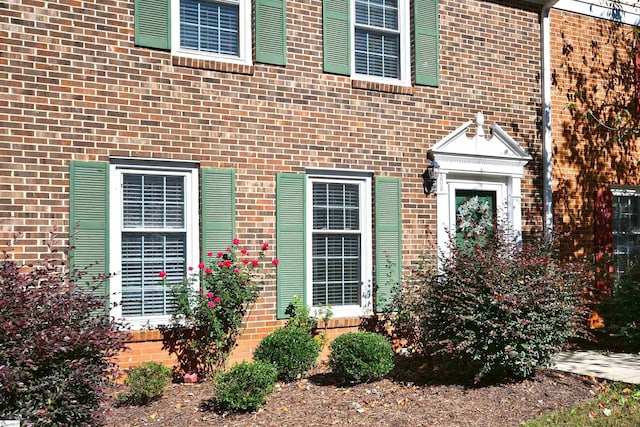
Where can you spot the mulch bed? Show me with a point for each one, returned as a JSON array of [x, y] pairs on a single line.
[[410, 396]]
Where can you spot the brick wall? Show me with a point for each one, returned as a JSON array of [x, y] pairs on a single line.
[[593, 71], [74, 87]]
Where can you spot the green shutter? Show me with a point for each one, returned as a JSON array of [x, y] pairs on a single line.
[[388, 220], [426, 42], [152, 25], [271, 31], [336, 41], [218, 209], [89, 222], [290, 239]]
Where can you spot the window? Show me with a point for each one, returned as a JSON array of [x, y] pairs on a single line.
[[153, 229], [377, 38], [626, 227], [217, 30], [381, 39], [329, 214], [339, 269], [370, 40], [213, 29]]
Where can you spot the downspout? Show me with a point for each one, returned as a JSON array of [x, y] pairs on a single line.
[[547, 146]]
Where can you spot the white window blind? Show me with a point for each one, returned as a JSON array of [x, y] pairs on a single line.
[[210, 26], [377, 38], [153, 240], [336, 244]]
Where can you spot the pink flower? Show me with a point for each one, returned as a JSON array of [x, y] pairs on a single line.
[[245, 261], [211, 304], [216, 300], [209, 294], [162, 274], [243, 251], [190, 268], [236, 241], [221, 264], [201, 291], [275, 261], [227, 263], [255, 263], [236, 270], [208, 270], [228, 249], [201, 265], [219, 255], [209, 253], [265, 246]]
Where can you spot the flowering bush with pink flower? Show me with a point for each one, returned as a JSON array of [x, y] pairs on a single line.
[[208, 317]]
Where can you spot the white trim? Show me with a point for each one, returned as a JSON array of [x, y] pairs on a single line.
[[478, 163], [115, 226], [366, 250], [547, 136], [404, 29], [245, 51], [500, 188], [627, 12], [625, 191]]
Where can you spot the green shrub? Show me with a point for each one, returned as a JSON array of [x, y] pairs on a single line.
[[245, 386], [300, 316], [494, 308], [57, 345], [361, 356], [146, 383], [292, 350], [621, 311]]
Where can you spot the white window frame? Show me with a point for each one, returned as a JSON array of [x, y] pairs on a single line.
[[116, 173], [404, 28], [245, 51], [621, 192], [478, 184], [366, 250]]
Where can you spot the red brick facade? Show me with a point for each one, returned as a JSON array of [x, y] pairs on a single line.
[[74, 87], [594, 79]]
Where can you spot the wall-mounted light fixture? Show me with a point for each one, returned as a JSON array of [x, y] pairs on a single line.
[[430, 175]]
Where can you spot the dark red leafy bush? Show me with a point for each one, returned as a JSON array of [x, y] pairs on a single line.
[[56, 345], [494, 309]]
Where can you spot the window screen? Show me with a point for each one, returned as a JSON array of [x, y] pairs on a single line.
[[377, 38], [626, 229], [153, 240], [336, 244], [208, 26]]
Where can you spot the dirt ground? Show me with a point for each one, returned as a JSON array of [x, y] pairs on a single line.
[[409, 396]]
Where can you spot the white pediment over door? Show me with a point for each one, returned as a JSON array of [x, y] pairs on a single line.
[[478, 163], [500, 154]]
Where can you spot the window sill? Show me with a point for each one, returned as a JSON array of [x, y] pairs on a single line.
[[341, 322], [382, 87], [206, 64], [144, 335]]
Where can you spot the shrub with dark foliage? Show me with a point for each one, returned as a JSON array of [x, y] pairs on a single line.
[[621, 311], [55, 346], [361, 356], [292, 350], [494, 309]]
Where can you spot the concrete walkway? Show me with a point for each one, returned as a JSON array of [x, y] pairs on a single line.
[[621, 367]]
